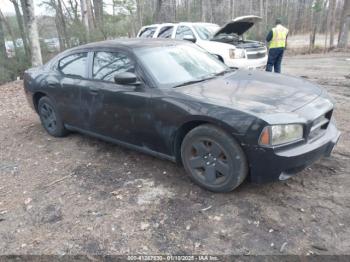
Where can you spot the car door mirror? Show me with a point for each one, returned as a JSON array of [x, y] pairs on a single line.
[[190, 38], [126, 78]]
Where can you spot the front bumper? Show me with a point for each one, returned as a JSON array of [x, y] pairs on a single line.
[[247, 63], [272, 164]]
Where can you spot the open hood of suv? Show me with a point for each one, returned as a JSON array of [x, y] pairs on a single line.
[[239, 25]]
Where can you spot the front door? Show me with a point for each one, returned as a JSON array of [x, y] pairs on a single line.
[[121, 112]]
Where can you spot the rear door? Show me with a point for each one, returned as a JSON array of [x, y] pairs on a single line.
[[121, 112], [64, 86]]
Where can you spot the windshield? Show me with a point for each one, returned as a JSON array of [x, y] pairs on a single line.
[[206, 32], [175, 65]]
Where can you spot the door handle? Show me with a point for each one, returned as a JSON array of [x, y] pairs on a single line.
[[93, 90]]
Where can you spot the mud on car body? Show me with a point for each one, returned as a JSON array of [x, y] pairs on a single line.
[[173, 100]]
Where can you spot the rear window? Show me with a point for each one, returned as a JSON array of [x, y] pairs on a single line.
[[74, 65], [166, 32], [148, 32]]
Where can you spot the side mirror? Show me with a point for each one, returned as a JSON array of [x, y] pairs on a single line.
[[190, 38], [126, 78]]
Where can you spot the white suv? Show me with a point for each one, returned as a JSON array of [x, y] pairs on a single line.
[[227, 42]]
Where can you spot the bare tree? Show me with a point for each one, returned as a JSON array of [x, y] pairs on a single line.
[[33, 34], [21, 28], [139, 6], [332, 8], [344, 25], [327, 25], [156, 14], [3, 54], [98, 11], [232, 9], [60, 22], [316, 15], [85, 18], [203, 10]]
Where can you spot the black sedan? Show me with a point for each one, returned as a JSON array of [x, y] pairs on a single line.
[[173, 100]]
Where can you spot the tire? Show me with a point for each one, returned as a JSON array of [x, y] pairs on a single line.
[[50, 118], [213, 159]]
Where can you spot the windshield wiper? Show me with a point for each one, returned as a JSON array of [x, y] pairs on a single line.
[[194, 81], [211, 76], [224, 72]]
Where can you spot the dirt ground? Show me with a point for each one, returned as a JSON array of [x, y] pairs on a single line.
[[79, 195]]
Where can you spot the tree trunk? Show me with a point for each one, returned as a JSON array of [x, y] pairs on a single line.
[[266, 12], [332, 8], [156, 14], [204, 10], [63, 26], [25, 20], [327, 24], [3, 54], [21, 28], [314, 23], [33, 34], [344, 26], [139, 10], [85, 19], [98, 11], [90, 15], [232, 9]]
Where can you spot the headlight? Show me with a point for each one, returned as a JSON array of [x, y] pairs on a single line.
[[236, 53], [281, 134]]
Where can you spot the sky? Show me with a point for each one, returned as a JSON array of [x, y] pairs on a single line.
[[7, 7]]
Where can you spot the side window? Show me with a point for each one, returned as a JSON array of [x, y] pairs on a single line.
[[165, 32], [148, 32], [182, 31], [107, 65], [74, 65]]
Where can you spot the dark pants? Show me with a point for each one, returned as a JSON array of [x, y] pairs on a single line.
[[275, 60]]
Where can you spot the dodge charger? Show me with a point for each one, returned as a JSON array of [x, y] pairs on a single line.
[[173, 100]]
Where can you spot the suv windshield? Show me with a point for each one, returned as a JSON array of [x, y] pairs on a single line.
[[206, 32], [177, 65]]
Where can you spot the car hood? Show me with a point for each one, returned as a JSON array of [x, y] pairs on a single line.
[[254, 91], [239, 25]]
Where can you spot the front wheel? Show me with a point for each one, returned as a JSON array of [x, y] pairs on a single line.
[[213, 159], [50, 118]]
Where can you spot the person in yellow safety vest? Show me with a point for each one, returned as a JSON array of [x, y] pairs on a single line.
[[277, 39]]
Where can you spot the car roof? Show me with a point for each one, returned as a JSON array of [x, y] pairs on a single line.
[[180, 23], [128, 43]]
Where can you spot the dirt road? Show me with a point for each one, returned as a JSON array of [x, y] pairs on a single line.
[[79, 195]]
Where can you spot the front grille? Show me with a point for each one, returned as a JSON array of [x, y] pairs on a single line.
[[319, 125], [256, 55]]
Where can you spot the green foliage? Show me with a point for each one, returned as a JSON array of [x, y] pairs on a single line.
[[317, 5], [13, 67]]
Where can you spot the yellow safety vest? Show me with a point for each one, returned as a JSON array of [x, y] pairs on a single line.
[[279, 36]]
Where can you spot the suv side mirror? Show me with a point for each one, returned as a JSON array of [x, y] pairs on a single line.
[[190, 38], [126, 78]]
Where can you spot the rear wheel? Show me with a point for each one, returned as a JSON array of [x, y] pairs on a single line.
[[213, 159], [50, 118]]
